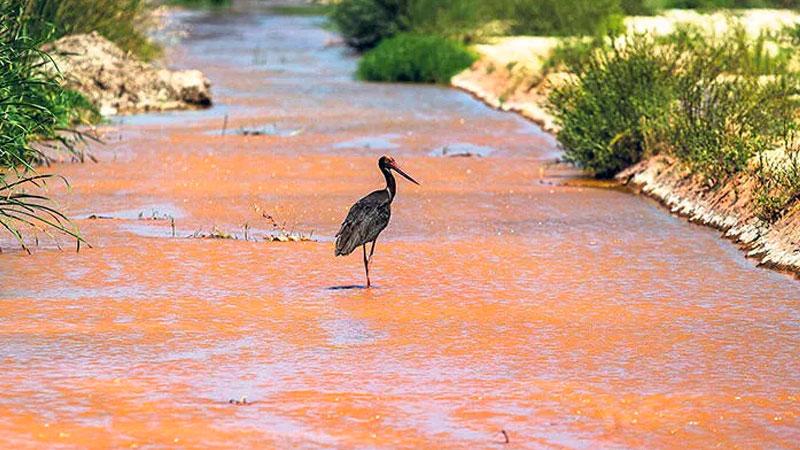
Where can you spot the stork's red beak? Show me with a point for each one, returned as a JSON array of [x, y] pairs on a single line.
[[405, 175]]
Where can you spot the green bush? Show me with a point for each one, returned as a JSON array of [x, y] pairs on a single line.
[[565, 17], [572, 54], [698, 99], [720, 123], [456, 19], [414, 58], [639, 7], [725, 113], [620, 99], [363, 23]]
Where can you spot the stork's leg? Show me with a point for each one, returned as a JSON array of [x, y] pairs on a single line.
[[366, 262], [372, 249]]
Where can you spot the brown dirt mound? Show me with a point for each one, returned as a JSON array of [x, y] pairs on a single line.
[[119, 83]]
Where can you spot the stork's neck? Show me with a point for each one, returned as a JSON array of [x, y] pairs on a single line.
[[391, 185]]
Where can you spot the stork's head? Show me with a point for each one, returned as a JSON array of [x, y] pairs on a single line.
[[388, 163]]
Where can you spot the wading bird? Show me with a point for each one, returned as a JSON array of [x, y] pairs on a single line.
[[370, 215]]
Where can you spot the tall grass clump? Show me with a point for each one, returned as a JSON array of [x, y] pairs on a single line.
[[122, 21], [33, 107], [415, 58]]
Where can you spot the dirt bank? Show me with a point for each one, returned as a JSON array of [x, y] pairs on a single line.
[[509, 75], [118, 83], [730, 208]]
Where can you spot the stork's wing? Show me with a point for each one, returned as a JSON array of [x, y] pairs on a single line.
[[365, 221]]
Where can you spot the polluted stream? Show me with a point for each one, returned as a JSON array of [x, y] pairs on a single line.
[[508, 304]]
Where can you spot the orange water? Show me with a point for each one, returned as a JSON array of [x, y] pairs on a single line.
[[566, 316]]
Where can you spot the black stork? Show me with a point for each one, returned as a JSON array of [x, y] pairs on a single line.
[[370, 215]]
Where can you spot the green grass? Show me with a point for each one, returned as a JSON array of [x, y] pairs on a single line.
[[414, 58], [565, 17], [33, 108], [122, 21]]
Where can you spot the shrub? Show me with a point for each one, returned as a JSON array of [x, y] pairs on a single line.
[[414, 58], [363, 23], [572, 54], [198, 3], [638, 7], [565, 17], [456, 19], [619, 99], [721, 121], [720, 124], [700, 99]]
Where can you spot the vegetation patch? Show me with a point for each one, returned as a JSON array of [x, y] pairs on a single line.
[[36, 112], [364, 23], [564, 17], [717, 104], [123, 22], [415, 58], [620, 99]]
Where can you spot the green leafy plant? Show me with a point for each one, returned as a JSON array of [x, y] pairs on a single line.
[[620, 99], [413, 58], [33, 107]]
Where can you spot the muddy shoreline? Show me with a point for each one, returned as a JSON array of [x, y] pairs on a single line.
[[500, 82]]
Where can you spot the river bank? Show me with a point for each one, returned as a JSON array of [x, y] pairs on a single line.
[[510, 76]]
